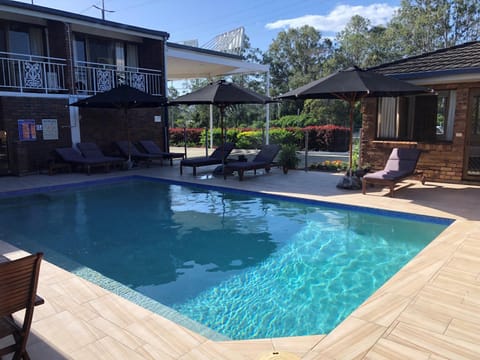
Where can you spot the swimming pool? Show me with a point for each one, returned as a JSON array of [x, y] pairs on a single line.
[[244, 266]]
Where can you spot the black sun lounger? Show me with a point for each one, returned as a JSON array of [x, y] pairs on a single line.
[[263, 160], [73, 157], [152, 148], [217, 157], [127, 149], [91, 151]]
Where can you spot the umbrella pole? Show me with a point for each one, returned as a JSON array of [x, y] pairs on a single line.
[[129, 160], [222, 110], [350, 148]]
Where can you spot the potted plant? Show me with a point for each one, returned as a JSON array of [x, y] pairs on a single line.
[[287, 158]]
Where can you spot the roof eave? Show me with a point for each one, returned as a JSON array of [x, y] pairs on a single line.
[[60, 15], [439, 76]]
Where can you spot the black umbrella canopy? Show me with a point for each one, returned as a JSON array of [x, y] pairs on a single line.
[[122, 97], [221, 93], [352, 85]]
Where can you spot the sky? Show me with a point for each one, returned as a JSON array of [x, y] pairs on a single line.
[[203, 20]]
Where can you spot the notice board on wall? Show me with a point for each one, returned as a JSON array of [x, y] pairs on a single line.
[[26, 130], [50, 129]]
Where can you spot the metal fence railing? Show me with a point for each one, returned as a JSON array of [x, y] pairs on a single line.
[[31, 73], [91, 78]]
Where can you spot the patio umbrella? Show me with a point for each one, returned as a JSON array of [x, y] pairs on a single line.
[[221, 94], [123, 97], [352, 85]]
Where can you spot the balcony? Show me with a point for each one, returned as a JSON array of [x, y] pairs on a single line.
[[31, 73], [91, 78], [37, 74]]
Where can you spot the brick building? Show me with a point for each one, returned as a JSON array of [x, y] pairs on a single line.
[[51, 58], [445, 126]]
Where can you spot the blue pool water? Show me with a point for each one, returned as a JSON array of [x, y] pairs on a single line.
[[244, 266]]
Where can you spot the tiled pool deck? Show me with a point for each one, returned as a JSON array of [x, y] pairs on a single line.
[[428, 310]]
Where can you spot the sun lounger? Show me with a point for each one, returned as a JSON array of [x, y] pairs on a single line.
[[400, 165], [73, 157], [152, 148], [217, 157], [127, 149], [263, 160], [91, 151]]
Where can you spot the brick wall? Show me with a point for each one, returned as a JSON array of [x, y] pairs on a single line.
[[440, 161], [103, 126], [32, 156]]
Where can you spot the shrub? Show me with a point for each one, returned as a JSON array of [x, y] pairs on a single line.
[[330, 165], [290, 136], [327, 138], [252, 139], [293, 121], [323, 138], [193, 135]]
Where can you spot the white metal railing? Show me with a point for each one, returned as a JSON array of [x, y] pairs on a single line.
[[31, 73], [91, 78]]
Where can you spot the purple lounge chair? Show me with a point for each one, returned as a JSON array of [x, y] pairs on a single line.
[[217, 157], [263, 160], [400, 165], [152, 148], [73, 157]]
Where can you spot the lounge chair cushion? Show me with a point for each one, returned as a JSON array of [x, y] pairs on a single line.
[[92, 151], [72, 156], [400, 165]]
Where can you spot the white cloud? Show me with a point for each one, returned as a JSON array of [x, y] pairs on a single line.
[[336, 20]]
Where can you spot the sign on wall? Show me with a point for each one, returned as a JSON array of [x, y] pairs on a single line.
[[26, 130], [50, 129]]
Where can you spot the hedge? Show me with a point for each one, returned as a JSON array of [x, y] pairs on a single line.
[[320, 138]]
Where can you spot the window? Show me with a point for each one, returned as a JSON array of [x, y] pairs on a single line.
[[105, 51], [417, 118], [79, 49], [445, 115], [132, 56], [101, 51], [23, 39], [396, 118]]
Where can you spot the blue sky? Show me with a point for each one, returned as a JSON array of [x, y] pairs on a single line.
[[203, 20]]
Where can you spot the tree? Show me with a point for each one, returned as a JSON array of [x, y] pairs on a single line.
[[354, 42], [422, 26], [360, 44], [296, 57], [333, 111]]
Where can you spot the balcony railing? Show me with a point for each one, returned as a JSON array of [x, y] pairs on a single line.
[[31, 73], [91, 78]]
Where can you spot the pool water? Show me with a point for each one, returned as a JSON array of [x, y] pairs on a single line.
[[244, 266]]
